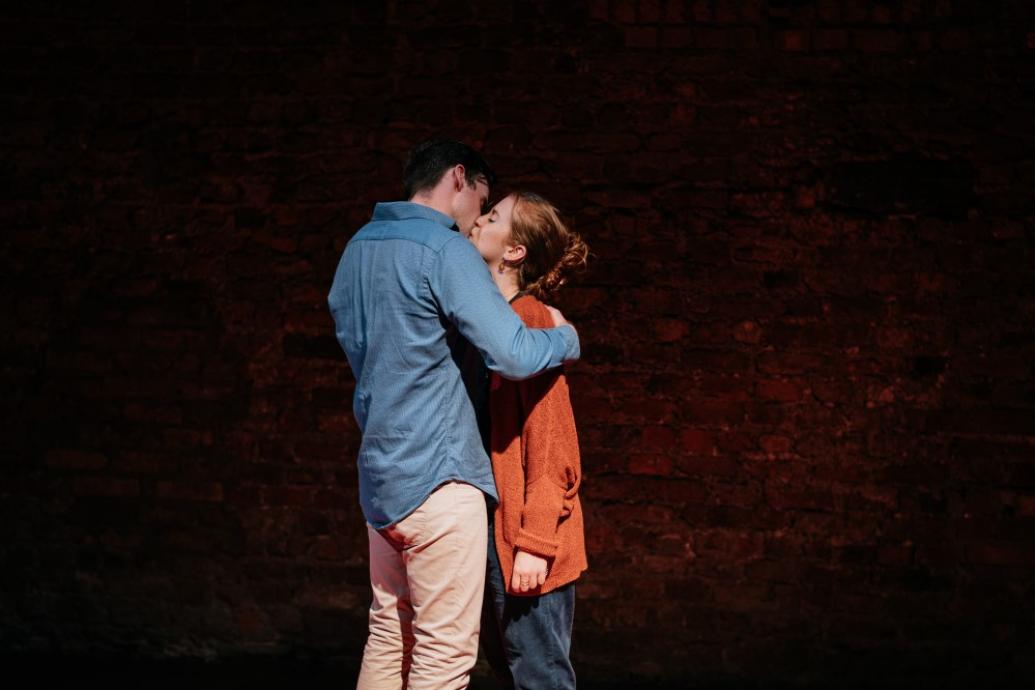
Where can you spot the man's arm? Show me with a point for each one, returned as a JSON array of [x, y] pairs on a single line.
[[465, 293]]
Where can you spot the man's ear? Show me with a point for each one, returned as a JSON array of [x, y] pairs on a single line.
[[459, 177]]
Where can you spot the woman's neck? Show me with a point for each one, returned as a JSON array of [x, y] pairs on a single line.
[[507, 281]]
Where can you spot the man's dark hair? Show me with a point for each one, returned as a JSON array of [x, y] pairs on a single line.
[[430, 160]]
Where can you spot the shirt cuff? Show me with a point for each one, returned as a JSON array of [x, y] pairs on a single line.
[[526, 541], [572, 349]]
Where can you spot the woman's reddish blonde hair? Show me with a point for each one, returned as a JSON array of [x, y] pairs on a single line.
[[552, 250]]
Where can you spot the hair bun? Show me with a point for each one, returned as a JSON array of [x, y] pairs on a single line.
[[575, 255], [553, 251]]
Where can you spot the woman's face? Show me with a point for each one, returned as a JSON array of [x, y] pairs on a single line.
[[491, 232]]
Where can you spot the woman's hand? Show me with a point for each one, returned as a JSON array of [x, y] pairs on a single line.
[[529, 572], [558, 317]]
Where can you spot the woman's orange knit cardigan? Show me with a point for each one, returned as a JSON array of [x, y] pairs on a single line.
[[535, 461]]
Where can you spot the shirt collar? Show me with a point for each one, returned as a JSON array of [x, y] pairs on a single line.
[[407, 210]]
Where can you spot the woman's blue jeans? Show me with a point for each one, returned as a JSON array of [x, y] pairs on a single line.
[[526, 640]]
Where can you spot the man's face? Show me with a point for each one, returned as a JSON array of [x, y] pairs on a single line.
[[468, 204]]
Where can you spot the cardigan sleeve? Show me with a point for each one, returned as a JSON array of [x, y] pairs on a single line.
[[550, 447]]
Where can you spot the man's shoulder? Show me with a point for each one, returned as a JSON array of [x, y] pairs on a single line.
[[421, 231]]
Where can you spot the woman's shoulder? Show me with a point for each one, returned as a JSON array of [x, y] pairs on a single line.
[[533, 312]]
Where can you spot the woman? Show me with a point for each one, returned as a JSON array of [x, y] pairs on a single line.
[[536, 545]]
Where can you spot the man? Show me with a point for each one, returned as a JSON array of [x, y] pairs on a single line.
[[408, 290]]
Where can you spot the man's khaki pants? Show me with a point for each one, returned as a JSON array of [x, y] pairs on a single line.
[[428, 576]]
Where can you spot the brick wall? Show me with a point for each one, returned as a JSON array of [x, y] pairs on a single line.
[[806, 400]]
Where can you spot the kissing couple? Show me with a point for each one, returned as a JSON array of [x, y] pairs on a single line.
[[469, 466]]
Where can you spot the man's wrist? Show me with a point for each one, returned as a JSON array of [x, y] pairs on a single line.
[[572, 347]]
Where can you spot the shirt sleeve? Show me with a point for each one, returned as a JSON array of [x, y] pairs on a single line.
[[461, 285], [553, 470]]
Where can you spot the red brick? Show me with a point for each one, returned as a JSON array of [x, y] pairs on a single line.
[[882, 14], [624, 11], [714, 412], [649, 11], [1026, 506], [747, 332], [696, 442], [784, 496], [659, 465], [955, 39], [795, 41], [674, 13], [676, 37], [779, 390], [877, 40], [670, 330], [709, 465], [829, 10], [1016, 554], [895, 554], [107, 487], [76, 460], [726, 11], [830, 39], [775, 445], [657, 438], [288, 495], [711, 39], [641, 37], [701, 10], [211, 492]]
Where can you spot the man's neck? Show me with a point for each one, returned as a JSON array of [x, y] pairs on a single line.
[[435, 201]]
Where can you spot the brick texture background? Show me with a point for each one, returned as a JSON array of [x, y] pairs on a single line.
[[806, 403]]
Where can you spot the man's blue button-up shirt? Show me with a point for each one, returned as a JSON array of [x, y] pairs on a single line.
[[408, 295]]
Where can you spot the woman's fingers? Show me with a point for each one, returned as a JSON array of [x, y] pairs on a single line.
[[526, 579]]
